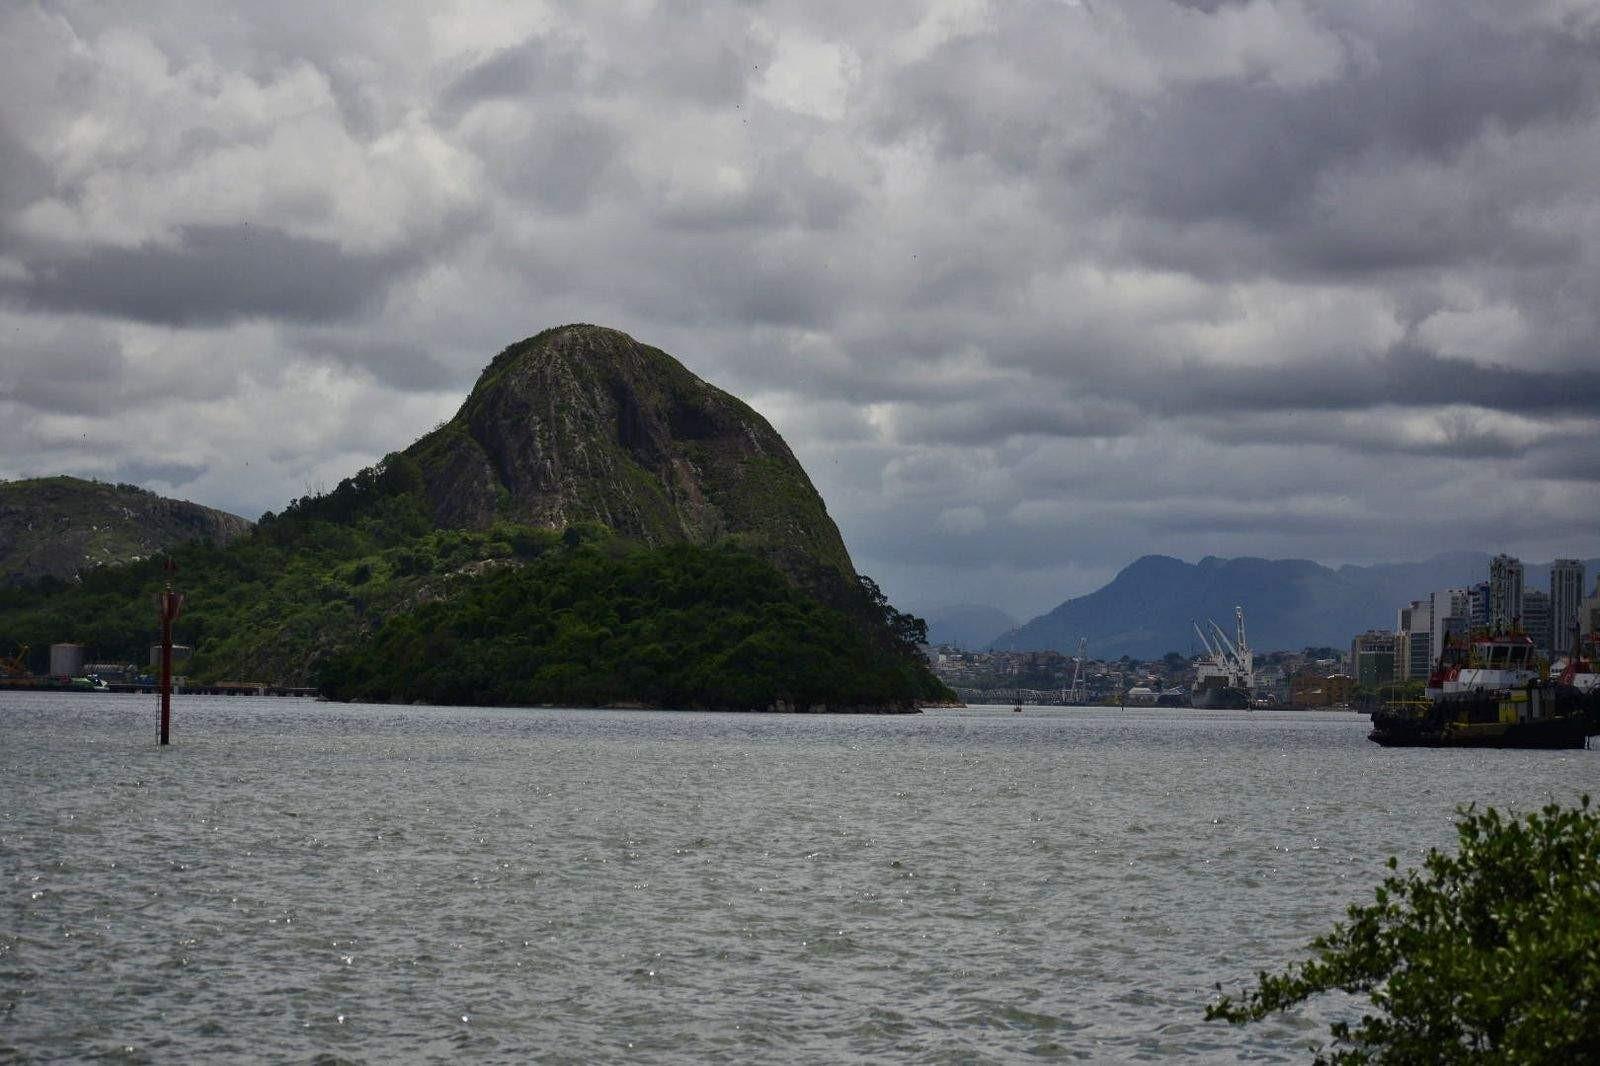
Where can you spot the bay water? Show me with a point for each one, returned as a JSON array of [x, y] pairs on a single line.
[[299, 881]]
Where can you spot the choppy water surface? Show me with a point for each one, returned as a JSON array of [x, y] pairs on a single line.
[[293, 880]]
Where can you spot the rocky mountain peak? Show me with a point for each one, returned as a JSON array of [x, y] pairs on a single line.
[[584, 424]]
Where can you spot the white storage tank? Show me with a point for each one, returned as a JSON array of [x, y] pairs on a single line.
[[66, 660], [180, 653]]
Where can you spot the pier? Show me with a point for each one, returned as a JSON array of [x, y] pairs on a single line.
[[219, 688]]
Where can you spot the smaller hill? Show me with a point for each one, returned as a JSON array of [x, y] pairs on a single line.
[[62, 526]]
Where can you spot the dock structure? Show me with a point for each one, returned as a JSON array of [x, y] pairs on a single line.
[[219, 688], [246, 688]]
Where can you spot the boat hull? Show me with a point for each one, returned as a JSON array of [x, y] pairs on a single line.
[[1545, 735], [1220, 698], [1538, 715]]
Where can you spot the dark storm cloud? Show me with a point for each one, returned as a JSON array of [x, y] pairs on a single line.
[[976, 422], [402, 364], [1223, 176], [1405, 377], [1256, 152], [24, 177], [210, 275], [141, 473], [1188, 517], [78, 373], [707, 66], [557, 162], [786, 192], [539, 65], [1413, 231], [1571, 457]]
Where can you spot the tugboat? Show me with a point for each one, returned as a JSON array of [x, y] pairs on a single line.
[[1494, 693], [1580, 669]]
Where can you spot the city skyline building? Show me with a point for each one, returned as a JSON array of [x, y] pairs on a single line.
[[1452, 615], [1589, 613], [1415, 640], [1505, 592], [1372, 658], [1536, 619], [1478, 606], [1566, 604]]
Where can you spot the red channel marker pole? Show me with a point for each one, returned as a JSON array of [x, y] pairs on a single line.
[[166, 664], [171, 603]]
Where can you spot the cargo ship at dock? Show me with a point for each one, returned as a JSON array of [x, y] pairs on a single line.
[[1496, 692], [1225, 679]]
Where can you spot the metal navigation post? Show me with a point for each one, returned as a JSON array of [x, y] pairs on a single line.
[[170, 604]]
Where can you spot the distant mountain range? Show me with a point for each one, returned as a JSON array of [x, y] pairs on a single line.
[[967, 625], [1147, 609]]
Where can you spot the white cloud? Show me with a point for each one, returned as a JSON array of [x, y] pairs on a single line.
[[1080, 281], [962, 521]]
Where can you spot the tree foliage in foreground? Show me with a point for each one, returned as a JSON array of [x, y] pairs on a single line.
[[1488, 956]]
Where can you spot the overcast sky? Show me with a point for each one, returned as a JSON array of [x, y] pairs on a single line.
[[1032, 288]]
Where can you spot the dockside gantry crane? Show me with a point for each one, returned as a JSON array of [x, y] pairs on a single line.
[[1232, 657]]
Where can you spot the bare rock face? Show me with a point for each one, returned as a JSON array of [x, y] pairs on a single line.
[[585, 424], [61, 526]]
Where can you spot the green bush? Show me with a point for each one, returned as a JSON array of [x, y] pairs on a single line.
[[1488, 956]]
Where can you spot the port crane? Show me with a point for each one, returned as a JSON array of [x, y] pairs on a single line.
[[16, 665], [1077, 694], [1232, 658]]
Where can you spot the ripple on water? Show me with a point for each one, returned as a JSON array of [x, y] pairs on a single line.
[[307, 882]]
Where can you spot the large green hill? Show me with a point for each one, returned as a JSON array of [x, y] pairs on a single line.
[[585, 424], [596, 526]]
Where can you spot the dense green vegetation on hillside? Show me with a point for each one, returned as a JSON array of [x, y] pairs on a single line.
[[270, 604], [603, 621], [357, 590]]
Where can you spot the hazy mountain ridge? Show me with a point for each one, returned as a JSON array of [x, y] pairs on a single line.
[[61, 526], [1147, 609], [967, 625]]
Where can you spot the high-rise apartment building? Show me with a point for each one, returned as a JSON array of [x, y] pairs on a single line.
[[1452, 616], [1536, 619], [1417, 666], [1478, 606], [1505, 592], [1415, 638], [1566, 604], [1589, 613], [1372, 658], [1414, 615]]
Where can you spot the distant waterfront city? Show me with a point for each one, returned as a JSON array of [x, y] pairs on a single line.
[[1556, 620]]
